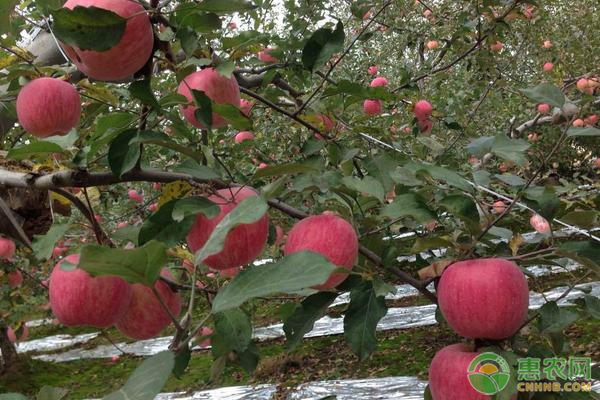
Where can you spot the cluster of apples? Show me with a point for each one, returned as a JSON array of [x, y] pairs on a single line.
[[423, 110], [373, 107], [480, 299]]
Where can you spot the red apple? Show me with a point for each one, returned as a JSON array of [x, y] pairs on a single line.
[[432, 44], [15, 279], [156, 186], [422, 110], [76, 298], [425, 126], [244, 135], [496, 47], [548, 67], [372, 107], [539, 223], [243, 244], [135, 196], [246, 106], [326, 122], [484, 298], [12, 336], [122, 225], [48, 106], [145, 317], [7, 248], [265, 56], [329, 235], [262, 165], [578, 123], [543, 108], [219, 89], [448, 377], [547, 44], [126, 57], [205, 332], [499, 207], [379, 81], [372, 70]]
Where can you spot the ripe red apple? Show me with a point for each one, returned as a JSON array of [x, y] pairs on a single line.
[[496, 47], [448, 378], [329, 235], [326, 122], [425, 126], [262, 165], [372, 70], [432, 44], [230, 273], [153, 207], [245, 106], [156, 186], [232, 25], [205, 332], [122, 225], [597, 162], [145, 317], [243, 244], [372, 107], [76, 298], [379, 81], [547, 44], [499, 207], [539, 223], [578, 123], [135, 196], [244, 135], [48, 106], [427, 13], [218, 88], [422, 110], [126, 57], [7, 248], [591, 119], [58, 251], [484, 298], [265, 56], [543, 108], [15, 279], [548, 67]]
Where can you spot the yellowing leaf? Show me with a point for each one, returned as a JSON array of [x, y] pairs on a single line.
[[516, 242], [173, 190], [434, 270]]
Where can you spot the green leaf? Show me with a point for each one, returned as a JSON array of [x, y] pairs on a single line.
[[226, 69], [142, 91], [249, 210], [440, 173], [546, 200], [510, 179], [368, 185], [233, 116], [235, 329], [322, 45], [51, 393], [147, 380], [249, 358], [284, 169], [12, 396], [464, 208], [182, 360], [409, 205], [33, 149], [592, 305], [584, 252], [193, 206], [89, 28], [139, 265], [360, 320], [7, 7], [555, 319], [583, 219], [196, 170], [160, 139], [203, 112], [289, 275], [226, 6], [43, 245], [121, 156], [196, 19], [302, 320], [590, 131], [545, 93], [162, 227]]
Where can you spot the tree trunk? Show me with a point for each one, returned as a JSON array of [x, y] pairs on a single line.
[[10, 357]]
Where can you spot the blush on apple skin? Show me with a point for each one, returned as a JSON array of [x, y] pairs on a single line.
[[484, 298]]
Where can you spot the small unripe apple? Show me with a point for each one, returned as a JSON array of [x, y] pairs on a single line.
[[547, 44], [373, 70], [48, 106], [484, 298], [329, 235], [7, 248], [77, 299], [265, 56], [15, 279], [126, 57], [243, 244], [244, 135], [540, 224], [422, 110], [499, 207], [372, 107], [548, 67], [379, 81], [578, 123], [448, 377], [135, 196], [145, 317], [496, 47], [433, 44], [218, 88], [543, 108]]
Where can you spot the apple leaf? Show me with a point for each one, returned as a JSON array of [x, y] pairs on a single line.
[[88, 28], [32, 149], [322, 45], [44, 244], [193, 206], [147, 380], [51, 393], [247, 211], [409, 205], [6, 9], [203, 112], [226, 6], [555, 319], [302, 320], [12, 396], [121, 156], [292, 273], [589, 131], [142, 91], [140, 265], [584, 252], [284, 169], [234, 116], [234, 328], [361, 318], [545, 93]]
